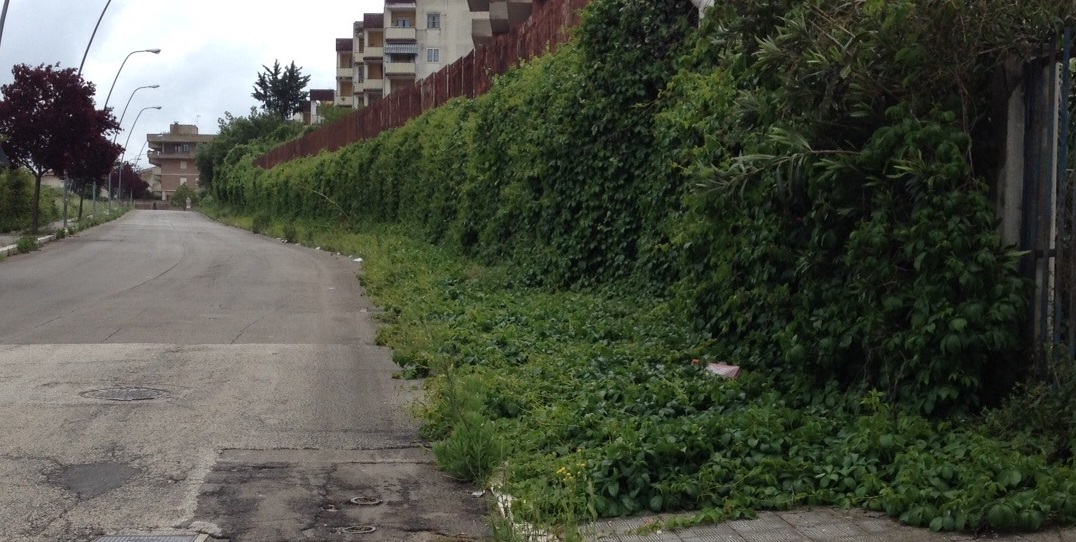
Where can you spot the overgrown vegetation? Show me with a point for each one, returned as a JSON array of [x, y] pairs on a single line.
[[16, 201], [798, 187], [26, 244]]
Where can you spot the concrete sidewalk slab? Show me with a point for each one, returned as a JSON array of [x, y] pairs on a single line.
[[800, 525]]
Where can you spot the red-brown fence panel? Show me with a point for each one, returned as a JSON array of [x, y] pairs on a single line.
[[472, 75]]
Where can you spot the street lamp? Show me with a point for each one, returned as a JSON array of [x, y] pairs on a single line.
[[114, 136], [119, 181], [109, 97], [95, 27], [113, 87], [129, 105]]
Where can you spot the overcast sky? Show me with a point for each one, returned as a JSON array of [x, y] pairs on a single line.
[[211, 51]]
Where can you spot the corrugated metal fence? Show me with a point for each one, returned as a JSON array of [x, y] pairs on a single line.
[[472, 75]]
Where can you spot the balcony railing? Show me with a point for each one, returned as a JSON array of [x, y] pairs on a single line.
[[156, 157], [373, 84], [400, 33], [344, 73], [373, 53], [398, 69]]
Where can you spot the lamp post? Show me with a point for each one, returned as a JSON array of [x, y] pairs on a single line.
[[3, 17], [124, 114], [114, 136], [119, 181], [109, 97], [113, 87], [95, 27]]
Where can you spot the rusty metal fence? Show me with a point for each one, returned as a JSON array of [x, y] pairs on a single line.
[[548, 26]]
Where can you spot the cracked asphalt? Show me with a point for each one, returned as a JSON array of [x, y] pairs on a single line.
[[275, 407]]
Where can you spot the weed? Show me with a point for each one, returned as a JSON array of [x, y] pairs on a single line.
[[472, 449], [290, 235], [260, 223], [26, 244]]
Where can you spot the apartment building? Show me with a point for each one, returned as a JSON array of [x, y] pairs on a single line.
[[409, 41], [173, 156]]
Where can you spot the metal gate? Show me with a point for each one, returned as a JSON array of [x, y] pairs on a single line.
[[1048, 210]]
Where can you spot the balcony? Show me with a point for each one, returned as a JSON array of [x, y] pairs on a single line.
[[401, 33], [478, 5], [498, 16], [344, 73], [481, 31], [373, 53], [157, 157], [400, 69], [506, 13], [345, 101], [394, 5], [373, 85]]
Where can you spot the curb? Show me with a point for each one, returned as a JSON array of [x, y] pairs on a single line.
[[14, 249]]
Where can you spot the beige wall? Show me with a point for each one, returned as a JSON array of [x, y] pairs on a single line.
[[453, 39]]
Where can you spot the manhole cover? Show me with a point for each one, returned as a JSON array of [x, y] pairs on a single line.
[[365, 501], [358, 529], [125, 394], [148, 538]]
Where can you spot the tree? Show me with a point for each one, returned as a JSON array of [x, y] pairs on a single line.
[[281, 90], [331, 113], [129, 184], [234, 131], [48, 116], [91, 163]]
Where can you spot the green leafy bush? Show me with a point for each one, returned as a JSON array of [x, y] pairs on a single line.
[[26, 244], [179, 197]]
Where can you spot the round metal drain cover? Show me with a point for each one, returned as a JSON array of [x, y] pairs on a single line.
[[365, 501], [358, 529], [125, 394]]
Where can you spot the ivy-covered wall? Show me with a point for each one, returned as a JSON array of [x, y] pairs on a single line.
[[805, 176]]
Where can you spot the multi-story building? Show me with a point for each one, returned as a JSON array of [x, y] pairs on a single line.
[[411, 40], [174, 154]]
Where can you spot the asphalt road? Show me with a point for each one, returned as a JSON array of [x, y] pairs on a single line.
[[265, 405]]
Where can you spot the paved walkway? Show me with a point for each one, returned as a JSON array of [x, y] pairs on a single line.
[[10, 238], [804, 525]]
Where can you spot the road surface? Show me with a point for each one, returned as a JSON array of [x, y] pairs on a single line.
[[165, 374]]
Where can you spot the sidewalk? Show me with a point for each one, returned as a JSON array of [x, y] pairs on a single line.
[[805, 525], [10, 238]]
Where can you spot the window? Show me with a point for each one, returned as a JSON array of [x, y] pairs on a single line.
[[182, 164], [433, 56], [403, 22], [182, 181], [186, 147], [433, 20]]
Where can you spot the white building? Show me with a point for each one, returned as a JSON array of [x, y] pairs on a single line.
[[411, 40]]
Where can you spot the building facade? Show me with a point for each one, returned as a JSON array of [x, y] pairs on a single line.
[[173, 155], [409, 41]]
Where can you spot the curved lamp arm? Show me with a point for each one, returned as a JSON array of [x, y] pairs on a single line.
[[114, 79]]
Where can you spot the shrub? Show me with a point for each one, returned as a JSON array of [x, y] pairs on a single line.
[[179, 197], [26, 244]]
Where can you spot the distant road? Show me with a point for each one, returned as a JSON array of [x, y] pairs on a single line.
[[263, 404]]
